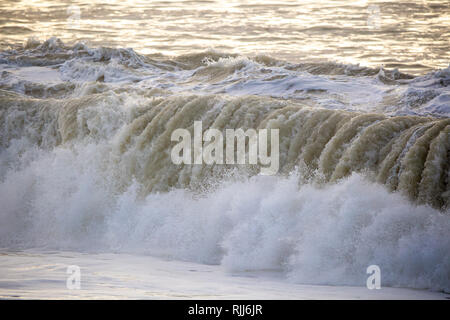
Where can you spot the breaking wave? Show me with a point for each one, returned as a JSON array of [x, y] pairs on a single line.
[[364, 162]]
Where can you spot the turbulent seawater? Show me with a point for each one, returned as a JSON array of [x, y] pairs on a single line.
[[85, 145], [364, 162]]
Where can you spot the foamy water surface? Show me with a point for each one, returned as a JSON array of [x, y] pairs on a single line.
[[360, 93]]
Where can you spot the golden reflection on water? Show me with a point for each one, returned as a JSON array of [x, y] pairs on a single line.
[[413, 36]]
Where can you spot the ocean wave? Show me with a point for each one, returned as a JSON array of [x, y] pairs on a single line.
[[326, 85], [85, 143], [408, 154], [317, 235]]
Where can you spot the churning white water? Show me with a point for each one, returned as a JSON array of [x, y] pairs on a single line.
[[85, 147], [85, 166]]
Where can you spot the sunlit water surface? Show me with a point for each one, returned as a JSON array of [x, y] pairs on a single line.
[[410, 35]]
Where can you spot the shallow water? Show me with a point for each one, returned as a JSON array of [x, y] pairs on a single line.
[[41, 274]]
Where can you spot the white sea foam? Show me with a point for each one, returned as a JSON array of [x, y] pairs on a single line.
[[326, 85], [320, 235], [84, 163]]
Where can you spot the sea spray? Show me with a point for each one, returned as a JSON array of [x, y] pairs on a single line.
[[363, 173]]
